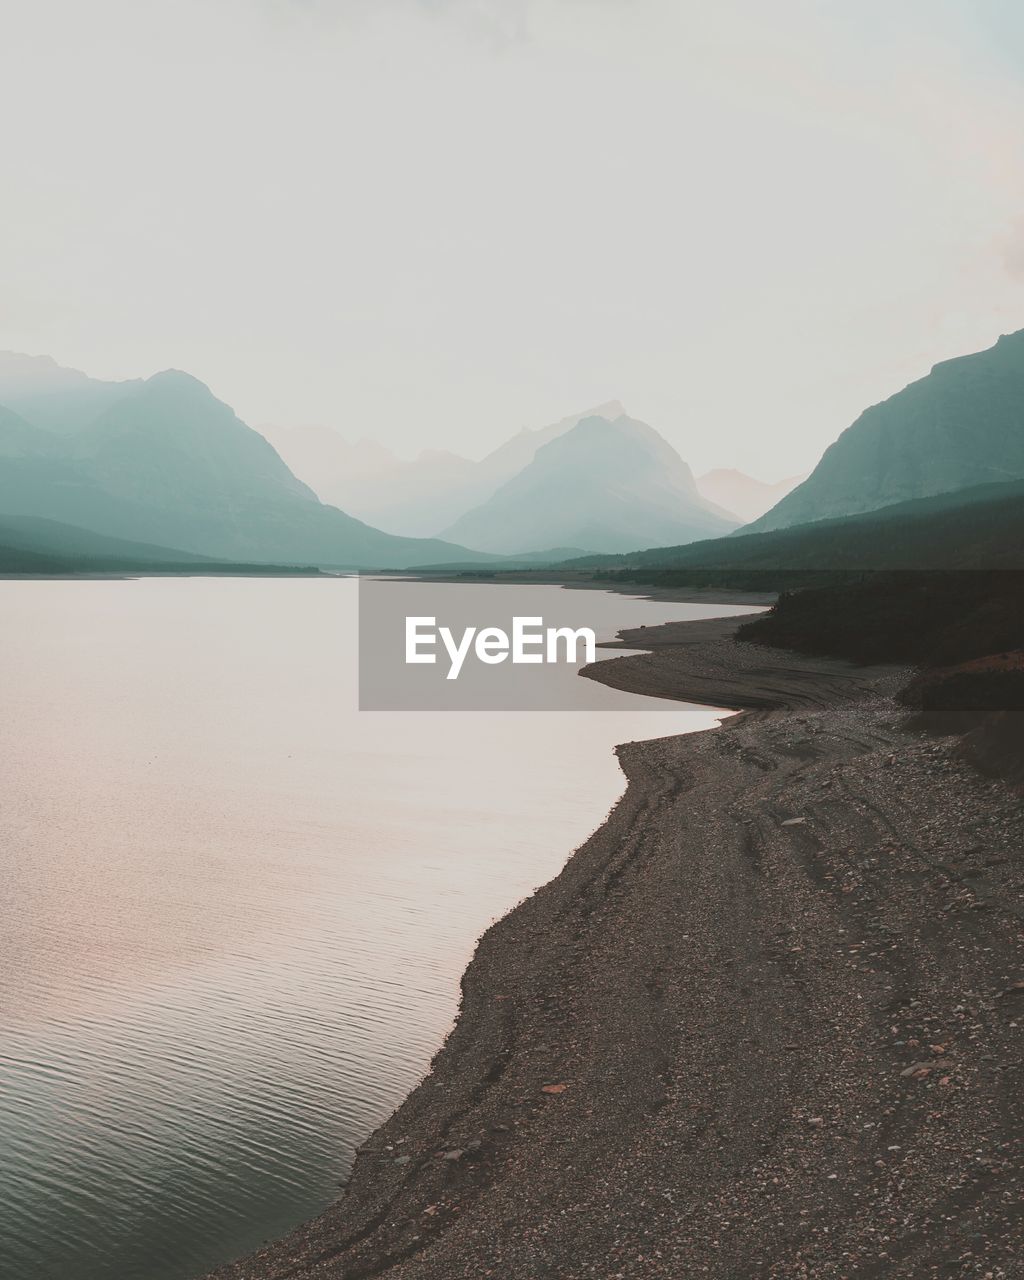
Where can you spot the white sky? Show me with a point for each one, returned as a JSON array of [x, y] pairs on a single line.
[[436, 221]]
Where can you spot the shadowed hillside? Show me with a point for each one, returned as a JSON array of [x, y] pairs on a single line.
[[978, 528], [30, 545]]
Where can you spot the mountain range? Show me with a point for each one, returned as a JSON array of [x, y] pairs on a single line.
[[416, 497], [428, 495], [163, 461]]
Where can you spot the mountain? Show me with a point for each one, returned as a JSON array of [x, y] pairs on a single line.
[[165, 462], [607, 485], [414, 497], [961, 426], [511, 457], [742, 495]]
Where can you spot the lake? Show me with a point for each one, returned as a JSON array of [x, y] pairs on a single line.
[[235, 909]]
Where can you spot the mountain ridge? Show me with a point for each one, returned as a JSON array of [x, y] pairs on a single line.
[[417, 496], [959, 426], [609, 485], [163, 461]]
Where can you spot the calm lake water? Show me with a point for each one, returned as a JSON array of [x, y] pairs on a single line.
[[234, 909]]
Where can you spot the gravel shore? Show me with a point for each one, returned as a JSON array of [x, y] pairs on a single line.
[[764, 1023]]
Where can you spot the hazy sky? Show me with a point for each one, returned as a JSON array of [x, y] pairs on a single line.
[[435, 221]]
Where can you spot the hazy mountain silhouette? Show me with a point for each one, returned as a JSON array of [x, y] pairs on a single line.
[[54, 398], [606, 485], [961, 426], [511, 457], [414, 497], [164, 461], [741, 495]]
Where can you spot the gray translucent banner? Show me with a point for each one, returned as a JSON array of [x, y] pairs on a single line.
[[453, 646]]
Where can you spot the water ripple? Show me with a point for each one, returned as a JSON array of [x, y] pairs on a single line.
[[235, 913]]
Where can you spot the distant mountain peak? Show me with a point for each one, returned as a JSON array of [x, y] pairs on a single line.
[[417, 496], [607, 484], [177, 380], [611, 409], [22, 360], [53, 397], [28, 371]]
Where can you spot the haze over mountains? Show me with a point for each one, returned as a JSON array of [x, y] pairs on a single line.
[[960, 426], [610, 485], [932, 478], [427, 495], [742, 495], [56, 399], [163, 461], [417, 497], [162, 464]]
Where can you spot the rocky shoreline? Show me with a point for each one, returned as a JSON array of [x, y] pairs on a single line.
[[763, 1024]]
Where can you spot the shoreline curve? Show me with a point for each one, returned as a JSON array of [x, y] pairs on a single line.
[[760, 1025]]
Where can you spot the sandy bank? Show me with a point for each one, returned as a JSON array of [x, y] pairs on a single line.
[[764, 1024]]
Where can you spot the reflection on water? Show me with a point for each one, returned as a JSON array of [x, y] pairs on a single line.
[[235, 910]]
